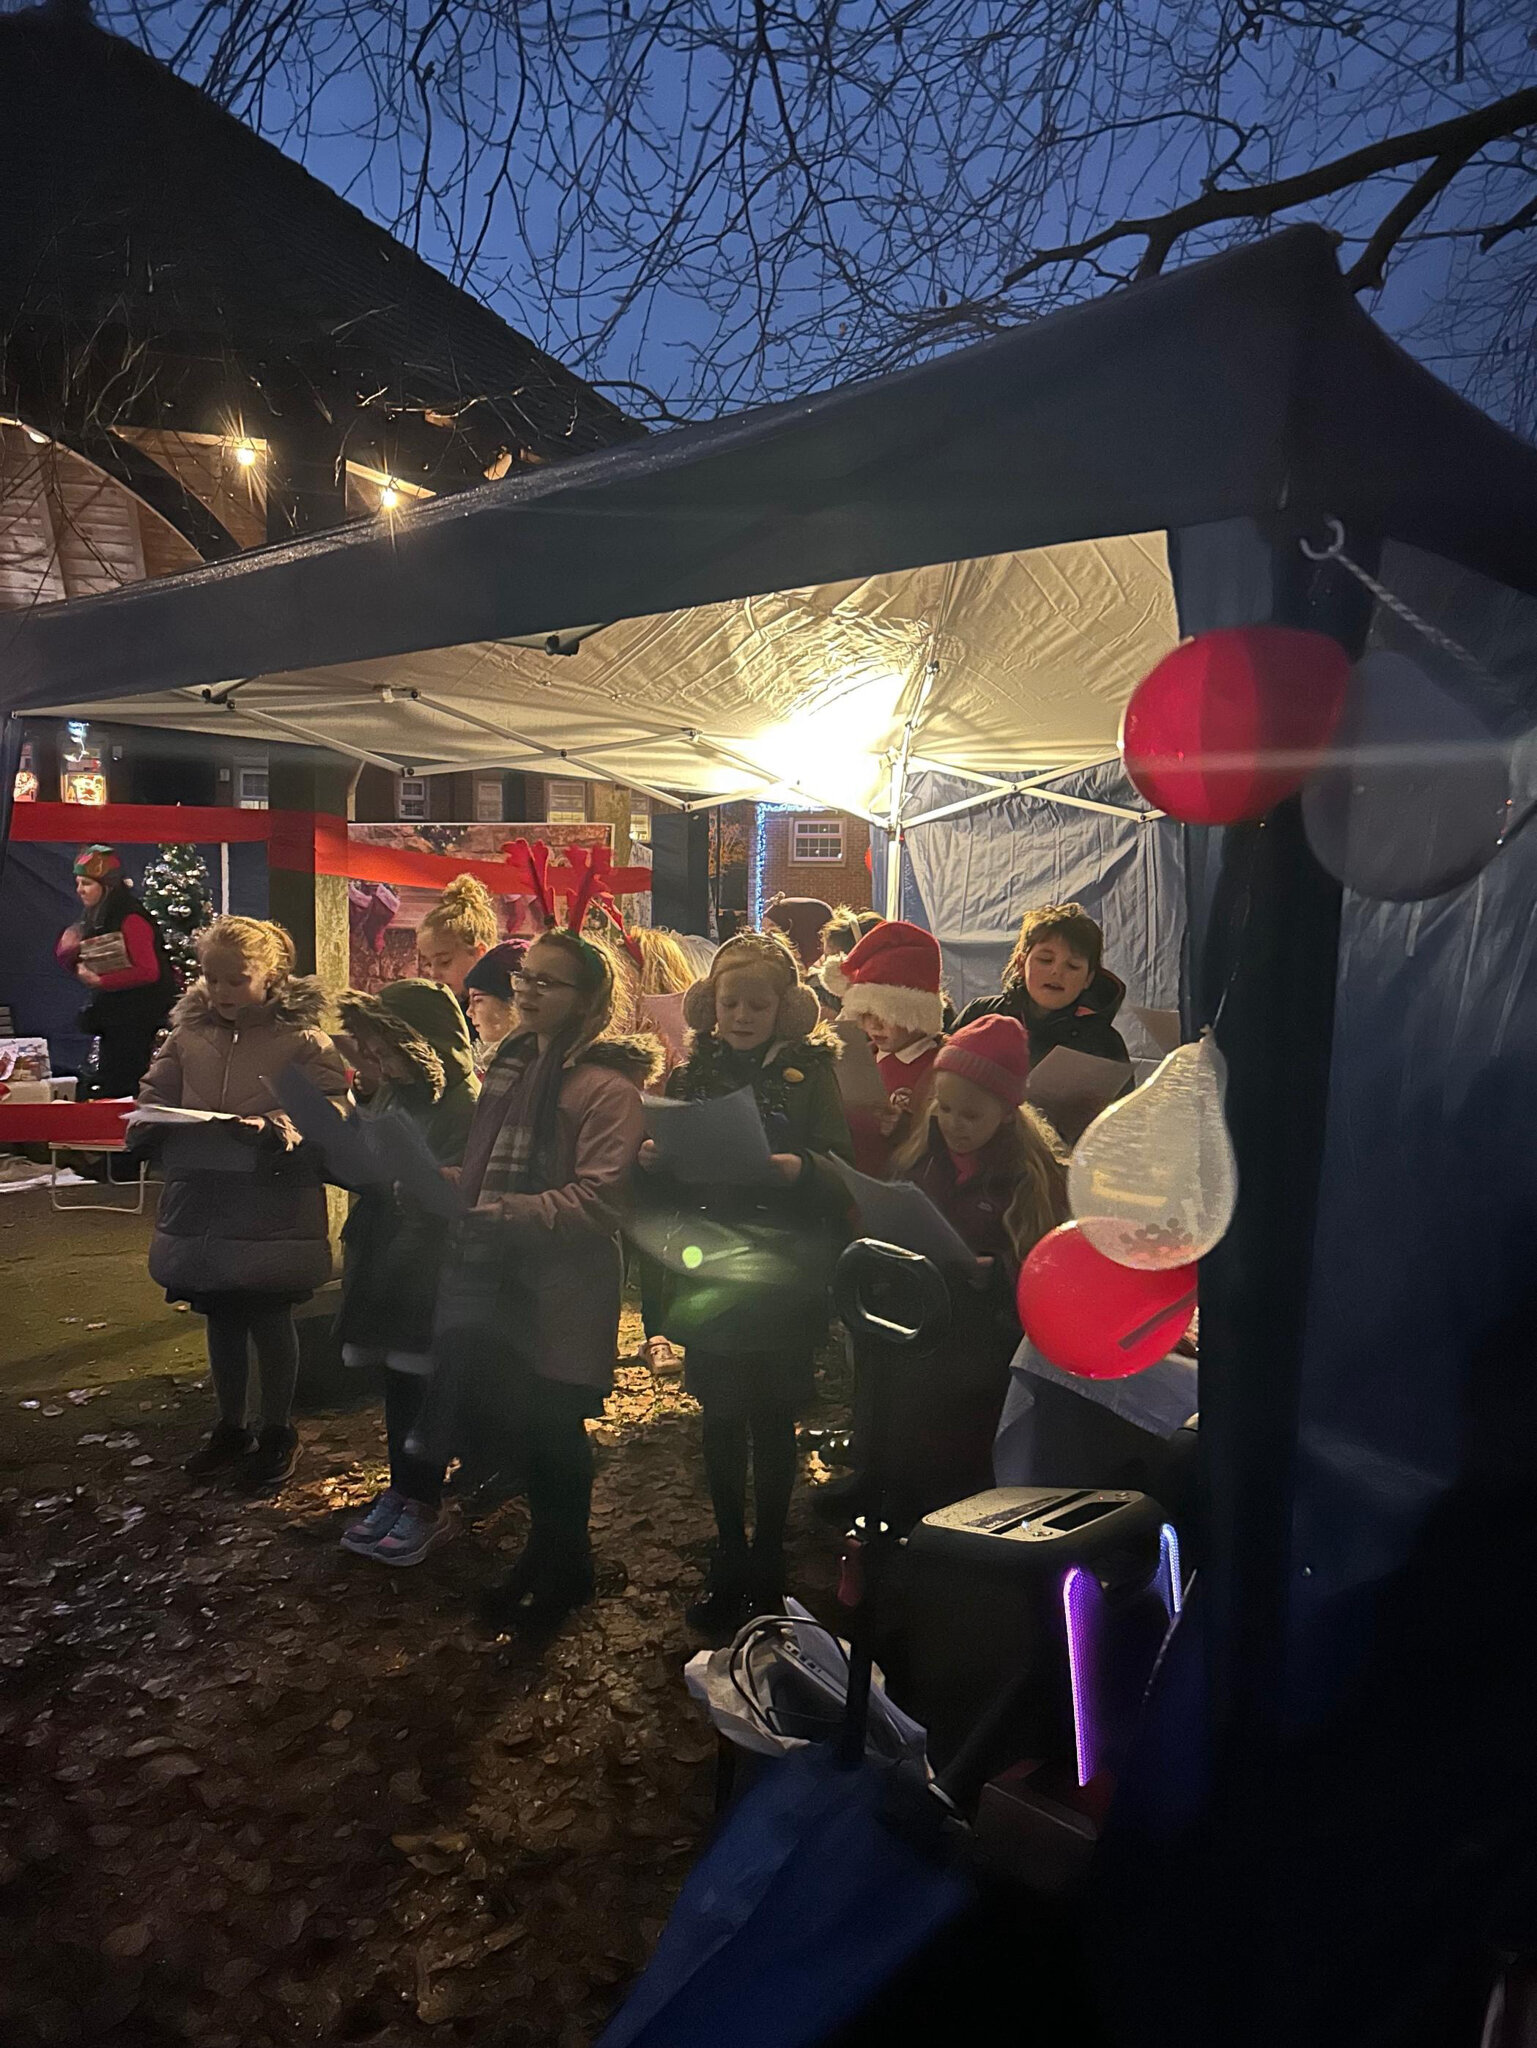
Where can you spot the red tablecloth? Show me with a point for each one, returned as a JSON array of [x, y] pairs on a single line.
[[64, 1123]]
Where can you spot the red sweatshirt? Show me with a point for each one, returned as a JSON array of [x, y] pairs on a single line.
[[138, 940], [909, 1070]]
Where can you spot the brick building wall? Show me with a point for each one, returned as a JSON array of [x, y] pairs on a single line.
[[846, 880]]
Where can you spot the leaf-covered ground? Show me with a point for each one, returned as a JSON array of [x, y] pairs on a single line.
[[256, 1791]]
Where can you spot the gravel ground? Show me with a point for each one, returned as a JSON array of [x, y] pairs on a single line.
[[257, 1791]]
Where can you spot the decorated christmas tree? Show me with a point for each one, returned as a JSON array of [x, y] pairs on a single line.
[[178, 894]]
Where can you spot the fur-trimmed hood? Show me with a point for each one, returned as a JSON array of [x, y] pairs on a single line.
[[420, 1021], [637, 1055], [300, 1001]]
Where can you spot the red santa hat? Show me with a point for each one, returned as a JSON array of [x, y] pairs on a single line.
[[891, 975]]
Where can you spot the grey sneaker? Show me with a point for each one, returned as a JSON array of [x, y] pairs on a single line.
[[365, 1532], [417, 1532]]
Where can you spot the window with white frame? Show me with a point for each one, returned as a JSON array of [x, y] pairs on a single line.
[[412, 797], [488, 800], [816, 842], [640, 817], [566, 803], [251, 787]]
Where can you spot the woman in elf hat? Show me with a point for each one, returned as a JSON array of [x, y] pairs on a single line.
[[117, 954]]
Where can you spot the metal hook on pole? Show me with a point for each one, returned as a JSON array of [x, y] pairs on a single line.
[[1336, 548]]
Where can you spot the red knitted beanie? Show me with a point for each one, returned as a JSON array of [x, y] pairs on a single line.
[[994, 1053]]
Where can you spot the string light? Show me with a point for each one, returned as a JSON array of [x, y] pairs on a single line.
[[245, 454], [389, 498], [34, 436]]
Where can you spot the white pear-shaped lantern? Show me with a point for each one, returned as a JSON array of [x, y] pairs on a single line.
[[1153, 1181]]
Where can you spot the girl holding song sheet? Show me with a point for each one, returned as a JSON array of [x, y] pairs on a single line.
[[747, 1265], [413, 1048], [242, 1232], [989, 1163]]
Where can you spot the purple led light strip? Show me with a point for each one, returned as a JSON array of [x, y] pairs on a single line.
[[1080, 1601], [1169, 1563]]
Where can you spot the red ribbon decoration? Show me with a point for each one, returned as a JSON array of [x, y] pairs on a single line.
[[318, 843]]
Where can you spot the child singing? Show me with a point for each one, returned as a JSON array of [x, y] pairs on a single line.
[[413, 1049], [889, 985], [547, 1174], [751, 1344], [242, 1232], [991, 1165]]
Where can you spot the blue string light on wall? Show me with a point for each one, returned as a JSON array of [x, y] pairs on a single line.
[[762, 812]]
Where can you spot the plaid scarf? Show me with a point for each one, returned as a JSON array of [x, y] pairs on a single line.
[[499, 1152], [480, 1317]]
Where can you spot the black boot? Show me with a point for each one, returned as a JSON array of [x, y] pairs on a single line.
[[724, 1608], [502, 1604], [229, 1443], [274, 1458], [563, 1585]]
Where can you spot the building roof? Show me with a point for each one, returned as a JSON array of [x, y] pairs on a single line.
[[139, 215]]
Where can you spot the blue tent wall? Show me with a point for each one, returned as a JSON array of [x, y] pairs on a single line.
[[39, 900], [969, 879]]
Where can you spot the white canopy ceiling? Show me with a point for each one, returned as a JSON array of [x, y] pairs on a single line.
[[1015, 664]]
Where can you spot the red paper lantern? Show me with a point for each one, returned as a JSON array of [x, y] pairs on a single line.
[[1089, 1316], [1233, 721]]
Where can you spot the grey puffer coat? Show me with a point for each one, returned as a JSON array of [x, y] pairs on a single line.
[[242, 1211]]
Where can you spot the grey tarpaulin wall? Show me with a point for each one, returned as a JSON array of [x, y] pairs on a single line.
[[970, 878]]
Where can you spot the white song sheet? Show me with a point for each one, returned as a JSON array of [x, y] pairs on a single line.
[[719, 1140], [898, 1213], [1071, 1088]]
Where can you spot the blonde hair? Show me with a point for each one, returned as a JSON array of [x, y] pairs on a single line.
[[465, 911], [254, 941], [663, 970], [664, 966], [768, 954], [1032, 1153]]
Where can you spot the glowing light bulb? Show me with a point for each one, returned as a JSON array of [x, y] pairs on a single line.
[[245, 454], [389, 498]]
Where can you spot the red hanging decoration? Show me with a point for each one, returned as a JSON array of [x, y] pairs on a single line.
[[1094, 1318], [530, 865], [1233, 721]]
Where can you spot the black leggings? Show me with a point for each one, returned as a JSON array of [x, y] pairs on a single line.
[[768, 1429], [419, 1479], [122, 1059], [560, 1477], [232, 1332]]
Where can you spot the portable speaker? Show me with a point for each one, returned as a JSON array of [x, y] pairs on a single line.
[[980, 1656]]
